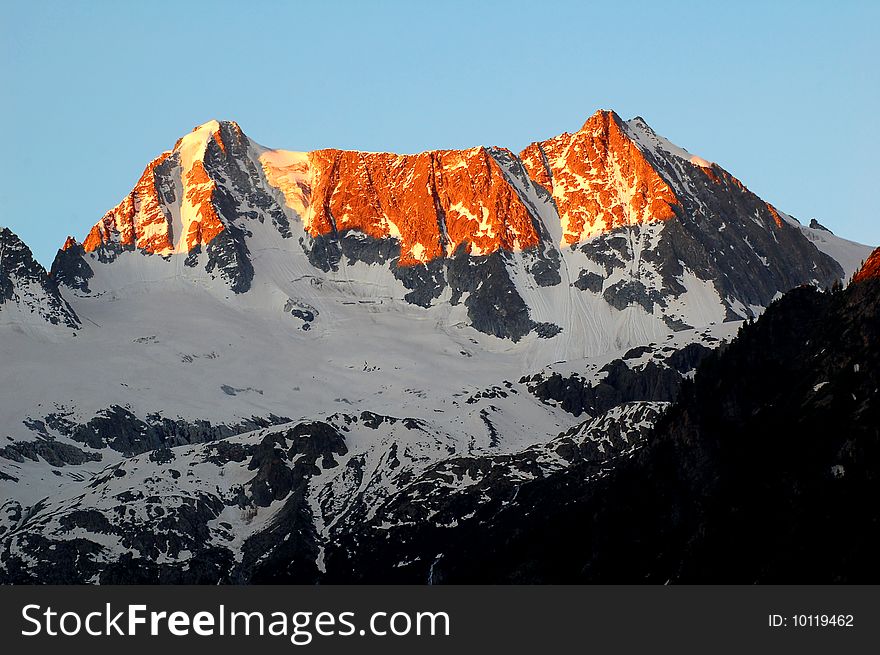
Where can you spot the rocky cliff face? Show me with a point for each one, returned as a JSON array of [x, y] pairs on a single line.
[[871, 268], [599, 179], [432, 203], [28, 296]]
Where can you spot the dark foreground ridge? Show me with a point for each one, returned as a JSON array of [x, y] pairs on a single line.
[[761, 472]]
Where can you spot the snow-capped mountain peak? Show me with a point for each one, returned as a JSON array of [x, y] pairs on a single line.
[[29, 298], [275, 348], [612, 221], [170, 210], [599, 179]]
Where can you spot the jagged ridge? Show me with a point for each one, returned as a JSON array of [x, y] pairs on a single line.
[[612, 210], [26, 288]]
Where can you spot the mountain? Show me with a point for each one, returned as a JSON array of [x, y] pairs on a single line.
[[870, 269], [759, 473], [610, 218], [281, 355], [29, 298]]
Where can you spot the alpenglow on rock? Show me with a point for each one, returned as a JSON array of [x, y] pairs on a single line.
[[610, 219]]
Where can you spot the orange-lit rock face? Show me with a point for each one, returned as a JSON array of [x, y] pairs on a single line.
[[432, 202], [143, 221], [871, 268], [201, 223], [708, 168], [775, 214], [139, 220], [599, 179], [219, 141]]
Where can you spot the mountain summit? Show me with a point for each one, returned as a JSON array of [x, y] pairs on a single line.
[[28, 296]]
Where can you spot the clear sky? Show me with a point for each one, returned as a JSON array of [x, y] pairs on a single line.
[[785, 95]]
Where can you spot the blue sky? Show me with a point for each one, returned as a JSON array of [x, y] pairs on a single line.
[[785, 95]]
